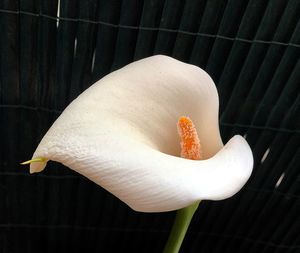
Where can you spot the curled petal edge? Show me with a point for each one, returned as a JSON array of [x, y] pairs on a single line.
[[150, 181]]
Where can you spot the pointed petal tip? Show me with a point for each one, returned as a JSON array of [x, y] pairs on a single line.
[[37, 164]]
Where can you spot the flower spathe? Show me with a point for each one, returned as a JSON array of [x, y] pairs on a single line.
[[121, 133]]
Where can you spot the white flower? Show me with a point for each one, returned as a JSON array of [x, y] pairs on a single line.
[[121, 133]]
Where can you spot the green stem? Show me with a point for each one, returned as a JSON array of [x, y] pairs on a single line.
[[180, 226]]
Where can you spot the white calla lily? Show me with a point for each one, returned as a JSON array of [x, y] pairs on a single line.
[[121, 133]]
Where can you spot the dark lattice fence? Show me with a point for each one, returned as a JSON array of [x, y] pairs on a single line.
[[50, 51]]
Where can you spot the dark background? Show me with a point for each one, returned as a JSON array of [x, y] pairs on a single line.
[[250, 48]]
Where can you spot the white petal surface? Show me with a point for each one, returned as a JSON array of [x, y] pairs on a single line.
[[121, 133]]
